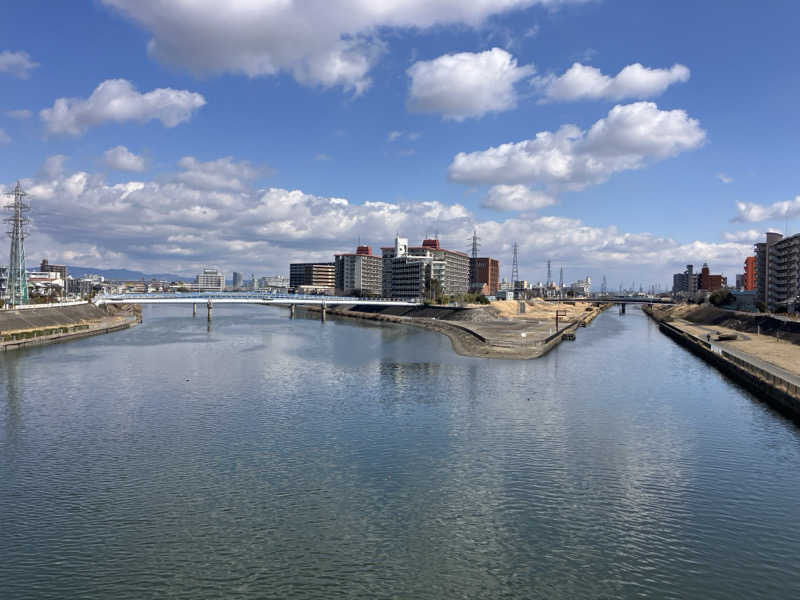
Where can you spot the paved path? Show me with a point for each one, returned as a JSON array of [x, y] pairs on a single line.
[[738, 353]]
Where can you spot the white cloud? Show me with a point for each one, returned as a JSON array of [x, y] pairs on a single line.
[[627, 138], [750, 212], [724, 178], [18, 64], [122, 159], [322, 156], [516, 197], [393, 136], [19, 114], [221, 174], [171, 226], [4, 137], [750, 236], [117, 100], [464, 85], [331, 44], [582, 82]]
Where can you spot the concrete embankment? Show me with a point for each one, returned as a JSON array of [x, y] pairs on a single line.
[[471, 332], [50, 324], [776, 386]]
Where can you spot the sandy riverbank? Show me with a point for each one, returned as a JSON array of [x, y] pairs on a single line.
[[495, 331]]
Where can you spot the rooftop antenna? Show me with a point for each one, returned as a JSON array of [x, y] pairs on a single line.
[[515, 265], [17, 285]]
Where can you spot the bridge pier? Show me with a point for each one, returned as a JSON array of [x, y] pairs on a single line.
[[291, 311], [210, 307], [322, 313], [194, 309], [622, 308]]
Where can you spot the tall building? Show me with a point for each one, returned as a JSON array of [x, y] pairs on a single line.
[[686, 283], [484, 271], [449, 267], [361, 272], [778, 272], [762, 264], [749, 283], [210, 280], [237, 280], [319, 276]]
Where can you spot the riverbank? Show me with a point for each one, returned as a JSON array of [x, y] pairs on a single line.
[[767, 366], [52, 324], [484, 332]]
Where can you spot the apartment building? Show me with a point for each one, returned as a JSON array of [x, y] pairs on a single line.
[[359, 272]]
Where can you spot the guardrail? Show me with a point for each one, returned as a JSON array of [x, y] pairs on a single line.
[[48, 305]]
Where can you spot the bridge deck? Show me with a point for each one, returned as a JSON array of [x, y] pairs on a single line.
[[245, 298]]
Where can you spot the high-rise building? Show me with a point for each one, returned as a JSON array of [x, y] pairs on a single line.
[[319, 276], [749, 282], [778, 272], [686, 283], [210, 280], [484, 271], [361, 273], [763, 250], [237, 280], [449, 268]]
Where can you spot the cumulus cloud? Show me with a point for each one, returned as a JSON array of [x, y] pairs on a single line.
[[750, 212], [464, 85], [122, 159], [117, 100], [583, 82], [169, 225], [333, 44], [221, 174], [516, 197], [4, 137], [19, 114], [750, 236], [629, 137], [18, 64]]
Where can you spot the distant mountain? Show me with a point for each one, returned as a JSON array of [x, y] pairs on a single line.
[[125, 274]]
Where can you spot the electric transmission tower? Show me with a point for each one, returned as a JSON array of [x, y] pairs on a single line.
[[604, 287], [561, 282], [473, 263], [515, 265], [549, 274], [475, 244], [17, 285]]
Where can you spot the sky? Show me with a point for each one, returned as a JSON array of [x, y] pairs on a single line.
[[618, 138]]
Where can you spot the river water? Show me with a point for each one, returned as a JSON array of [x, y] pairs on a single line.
[[271, 458]]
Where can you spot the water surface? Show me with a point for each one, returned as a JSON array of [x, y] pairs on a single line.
[[271, 458]]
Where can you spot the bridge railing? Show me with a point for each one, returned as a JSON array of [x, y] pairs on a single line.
[[245, 296]]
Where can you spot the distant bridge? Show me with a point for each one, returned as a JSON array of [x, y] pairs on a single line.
[[209, 299], [616, 300]]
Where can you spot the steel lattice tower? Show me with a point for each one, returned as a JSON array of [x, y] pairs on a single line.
[[17, 287], [549, 274], [561, 282], [515, 266]]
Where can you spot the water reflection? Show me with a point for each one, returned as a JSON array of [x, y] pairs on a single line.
[[291, 458]]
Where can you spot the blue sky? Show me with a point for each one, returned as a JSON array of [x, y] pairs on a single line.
[[243, 131]]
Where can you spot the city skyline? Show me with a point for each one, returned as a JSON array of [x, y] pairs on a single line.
[[592, 134]]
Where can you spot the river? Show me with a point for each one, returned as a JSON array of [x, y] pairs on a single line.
[[262, 457]]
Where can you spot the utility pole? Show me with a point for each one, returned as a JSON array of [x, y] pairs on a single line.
[[17, 286]]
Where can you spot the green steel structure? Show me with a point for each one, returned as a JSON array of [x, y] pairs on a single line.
[[17, 286]]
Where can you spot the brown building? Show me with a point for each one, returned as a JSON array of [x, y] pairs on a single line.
[[46, 267], [312, 275], [709, 282], [750, 273], [484, 271]]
